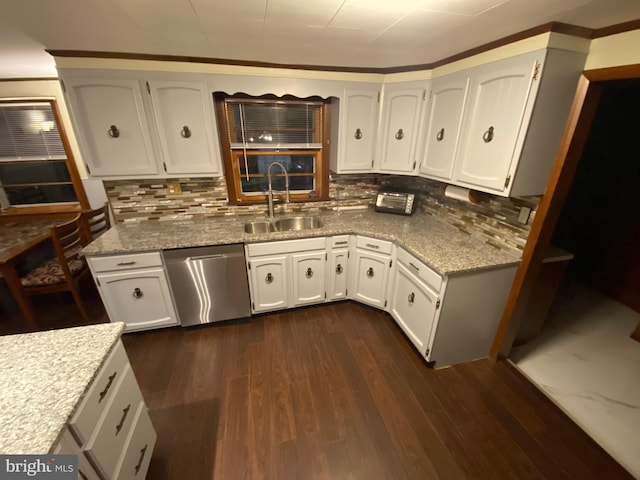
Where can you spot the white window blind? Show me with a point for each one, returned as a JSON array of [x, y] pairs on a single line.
[[28, 131], [258, 124]]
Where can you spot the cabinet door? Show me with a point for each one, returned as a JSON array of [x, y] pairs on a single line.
[[401, 117], [447, 98], [501, 97], [357, 133], [139, 298], [308, 281], [112, 128], [370, 281], [269, 283], [413, 306], [337, 274], [184, 116]]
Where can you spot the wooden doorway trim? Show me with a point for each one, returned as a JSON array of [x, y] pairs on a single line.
[[583, 111]]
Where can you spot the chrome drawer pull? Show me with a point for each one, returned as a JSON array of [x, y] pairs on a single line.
[[103, 393], [125, 412], [125, 264], [339, 269], [412, 297], [185, 132], [113, 131], [341, 243], [488, 135], [370, 272], [309, 273], [370, 245], [142, 453], [414, 267], [358, 134], [137, 293], [269, 278]]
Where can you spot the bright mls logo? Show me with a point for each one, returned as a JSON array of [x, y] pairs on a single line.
[[51, 467]]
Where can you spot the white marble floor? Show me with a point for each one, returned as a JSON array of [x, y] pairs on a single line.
[[585, 361]]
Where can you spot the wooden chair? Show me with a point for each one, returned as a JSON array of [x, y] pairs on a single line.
[[96, 222], [64, 271]]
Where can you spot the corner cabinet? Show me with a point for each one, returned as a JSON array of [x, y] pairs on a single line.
[[501, 134], [452, 318], [401, 124], [338, 267], [355, 121], [135, 126], [415, 300], [134, 290], [371, 271]]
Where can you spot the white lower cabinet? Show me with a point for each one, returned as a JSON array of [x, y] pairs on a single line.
[[111, 430], [308, 279], [413, 306], [371, 271], [134, 290], [338, 267], [269, 280], [286, 274], [450, 319]]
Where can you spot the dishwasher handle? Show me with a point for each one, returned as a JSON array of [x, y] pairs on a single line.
[[205, 257]]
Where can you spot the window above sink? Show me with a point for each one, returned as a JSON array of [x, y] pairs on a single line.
[[257, 131]]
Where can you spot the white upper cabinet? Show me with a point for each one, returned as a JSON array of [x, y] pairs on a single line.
[[109, 117], [143, 124], [447, 101], [402, 110], [188, 137], [513, 121], [358, 111], [502, 97]]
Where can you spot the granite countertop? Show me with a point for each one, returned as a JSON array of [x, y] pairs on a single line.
[[43, 377], [441, 246]]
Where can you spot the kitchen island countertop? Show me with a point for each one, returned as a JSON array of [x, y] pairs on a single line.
[[43, 378], [443, 247]]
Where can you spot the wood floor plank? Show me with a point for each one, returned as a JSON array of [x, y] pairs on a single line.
[[336, 391]]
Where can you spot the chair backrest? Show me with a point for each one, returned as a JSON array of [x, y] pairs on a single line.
[[96, 222], [68, 240]]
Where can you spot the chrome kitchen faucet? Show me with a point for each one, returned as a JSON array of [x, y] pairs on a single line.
[[286, 186]]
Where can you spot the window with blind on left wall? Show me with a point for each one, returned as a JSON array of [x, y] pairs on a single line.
[[37, 171]]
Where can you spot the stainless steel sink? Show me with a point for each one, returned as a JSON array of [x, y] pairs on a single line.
[[283, 225], [261, 226], [297, 223]]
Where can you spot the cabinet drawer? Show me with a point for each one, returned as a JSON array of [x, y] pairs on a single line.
[[108, 440], [339, 241], [102, 389], [286, 246], [136, 456], [374, 244], [419, 269], [125, 262]]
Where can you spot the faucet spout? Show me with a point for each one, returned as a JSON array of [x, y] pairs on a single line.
[[286, 186]]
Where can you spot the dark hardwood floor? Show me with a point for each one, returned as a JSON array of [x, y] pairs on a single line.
[[336, 392]]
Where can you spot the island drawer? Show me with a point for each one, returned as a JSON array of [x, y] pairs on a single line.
[[419, 269], [139, 446], [125, 262], [109, 438], [373, 244], [100, 392]]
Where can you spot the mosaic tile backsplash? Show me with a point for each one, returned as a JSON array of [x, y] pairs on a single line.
[[493, 219]]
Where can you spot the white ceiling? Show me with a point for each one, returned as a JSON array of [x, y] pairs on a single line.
[[352, 33]]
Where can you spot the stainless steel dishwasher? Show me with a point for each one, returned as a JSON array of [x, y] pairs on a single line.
[[209, 284]]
